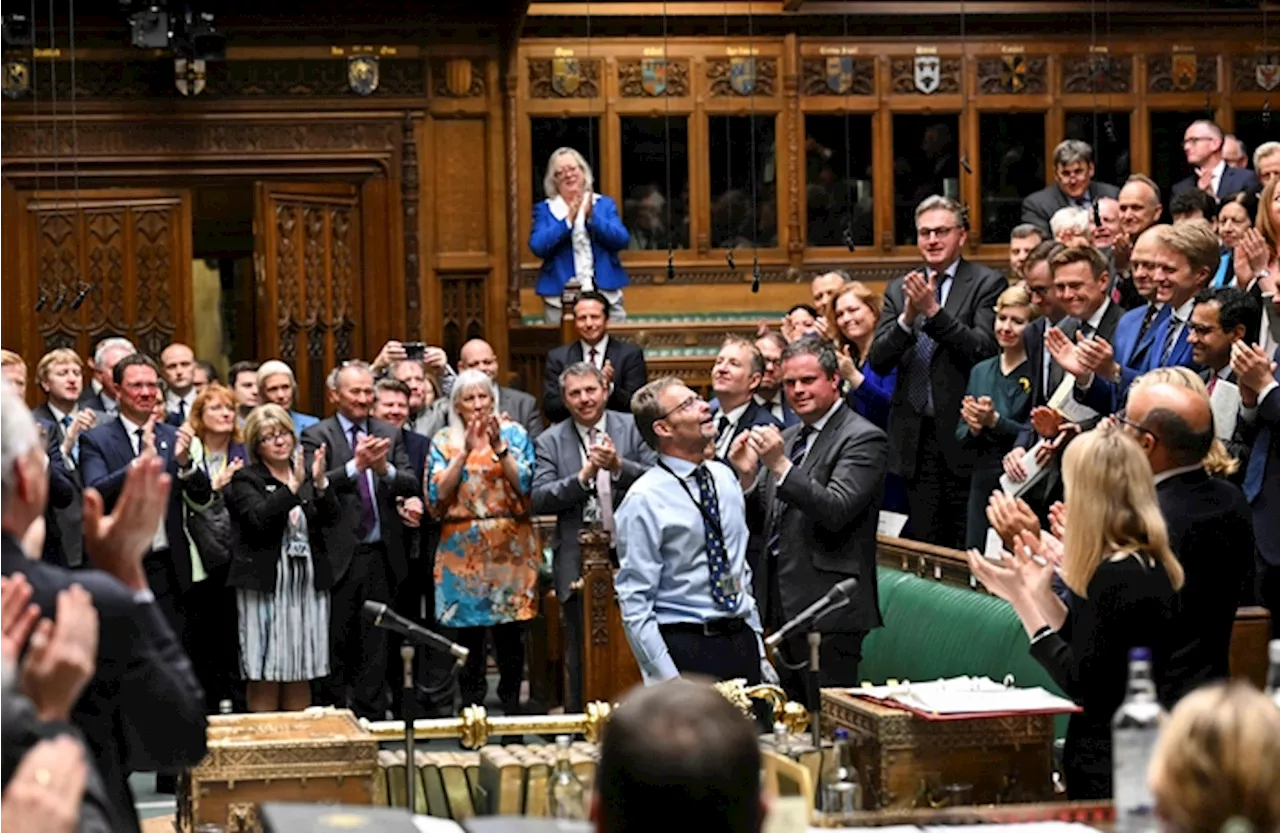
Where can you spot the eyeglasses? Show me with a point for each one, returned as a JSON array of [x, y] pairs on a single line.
[[1191, 140], [930, 233], [686, 405], [1200, 330], [276, 437], [1121, 418]]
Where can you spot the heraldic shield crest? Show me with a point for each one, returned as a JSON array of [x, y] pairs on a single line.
[[1267, 72], [566, 75], [362, 73], [839, 74], [1013, 73], [189, 75], [1184, 71], [928, 73], [742, 75], [17, 78], [653, 75]]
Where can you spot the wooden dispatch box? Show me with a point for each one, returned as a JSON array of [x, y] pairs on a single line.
[[906, 761], [319, 756]]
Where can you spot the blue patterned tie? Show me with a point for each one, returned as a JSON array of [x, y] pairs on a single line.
[[723, 591], [798, 450], [1257, 467], [920, 363], [75, 447]]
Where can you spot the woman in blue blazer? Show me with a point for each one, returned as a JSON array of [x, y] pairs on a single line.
[[577, 232]]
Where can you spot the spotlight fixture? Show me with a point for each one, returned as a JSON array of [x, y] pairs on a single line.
[[150, 28], [17, 31]]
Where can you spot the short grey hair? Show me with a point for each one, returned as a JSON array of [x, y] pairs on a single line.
[[112, 343], [1072, 150], [18, 434], [1073, 218], [1264, 150], [1024, 230], [937, 201], [275, 367], [646, 407], [839, 273], [549, 180], [467, 380], [583, 369], [331, 381], [822, 350]]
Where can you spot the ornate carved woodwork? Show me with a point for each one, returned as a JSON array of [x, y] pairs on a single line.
[[308, 244], [902, 76], [732, 77], [1097, 73], [564, 77], [609, 668], [1169, 73], [824, 76], [409, 206], [462, 306], [110, 263], [1013, 75], [1246, 76], [458, 78], [650, 77]]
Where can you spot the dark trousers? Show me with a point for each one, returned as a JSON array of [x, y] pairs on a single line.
[[571, 626], [984, 482], [720, 657], [434, 692], [163, 581], [1267, 582], [937, 497], [838, 658], [358, 649], [210, 637], [508, 646]]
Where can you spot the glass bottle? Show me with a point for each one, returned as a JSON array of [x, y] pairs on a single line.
[[841, 787], [567, 799], [1134, 730]]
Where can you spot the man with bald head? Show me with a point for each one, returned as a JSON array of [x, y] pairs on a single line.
[[1209, 523], [1203, 143], [478, 354], [178, 367]]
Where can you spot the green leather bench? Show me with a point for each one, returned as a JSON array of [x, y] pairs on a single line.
[[933, 630]]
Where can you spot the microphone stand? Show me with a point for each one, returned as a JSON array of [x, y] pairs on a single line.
[[407, 651], [815, 667]]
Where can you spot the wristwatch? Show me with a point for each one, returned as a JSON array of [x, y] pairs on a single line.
[[498, 455]]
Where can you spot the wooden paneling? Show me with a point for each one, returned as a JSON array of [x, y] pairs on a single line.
[[461, 175]]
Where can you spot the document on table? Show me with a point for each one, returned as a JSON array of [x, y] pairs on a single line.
[[1225, 404], [968, 696]]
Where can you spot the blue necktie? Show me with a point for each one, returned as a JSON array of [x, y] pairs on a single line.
[[723, 588], [75, 447], [920, 364], [1257, 467]]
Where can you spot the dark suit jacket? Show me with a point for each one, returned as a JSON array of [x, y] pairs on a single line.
[[418, 448], [1233, 180], [756, 415], [828, 522], [629, 375], [63, 543], [1039, 208], [259, 506], [1211, 534], [964, 330], [105, 455], [1264, 436], [342, 540], [556, 489], [91, 399], [144, 709]]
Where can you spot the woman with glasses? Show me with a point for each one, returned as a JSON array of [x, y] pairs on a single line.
[[1115, 559], [281, 515], [479, 478], [578, 234], [1236, 217]]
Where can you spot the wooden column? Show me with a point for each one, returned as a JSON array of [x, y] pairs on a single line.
[[608, 667]]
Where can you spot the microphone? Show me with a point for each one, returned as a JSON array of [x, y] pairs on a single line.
[[836, 598], [383, 617]]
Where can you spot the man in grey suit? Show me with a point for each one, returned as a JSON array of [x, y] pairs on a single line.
[[585, 465], [1073, 185], [816, 500], [477, 354]]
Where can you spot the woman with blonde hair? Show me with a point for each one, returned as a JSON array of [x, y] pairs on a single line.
[[1116, 560], [1216, 767]]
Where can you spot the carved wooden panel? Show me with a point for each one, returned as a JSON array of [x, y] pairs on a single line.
[[1013, 74], [837, 75], [902, 76], [1097, 73], [1181, 73], [461, 195], [462, 305], [409, 206], [649, 77], [114, 262], [307, 239], [564, 78], [1257, 73], [728, 77], [458, 78]]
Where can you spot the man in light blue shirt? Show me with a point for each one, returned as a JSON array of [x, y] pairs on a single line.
[[684, 585]]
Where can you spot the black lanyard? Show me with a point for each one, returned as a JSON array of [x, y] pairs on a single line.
[[707, 518]]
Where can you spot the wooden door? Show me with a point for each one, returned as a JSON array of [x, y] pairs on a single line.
[[307, 259], [99, 263]]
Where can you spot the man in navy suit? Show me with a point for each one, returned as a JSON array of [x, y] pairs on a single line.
[[621, 361], [1260, 423], [1202, 144], [735, 377], [769, 393], [178, 365]]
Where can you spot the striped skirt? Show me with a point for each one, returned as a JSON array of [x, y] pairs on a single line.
[[284, 636]]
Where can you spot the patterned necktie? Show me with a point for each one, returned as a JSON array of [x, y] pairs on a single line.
[[799, 448], [367, 517], [724, 588], [1170, 339], [1146, 322], [592, 354], [920, 364], [604, 489], [75, 447]]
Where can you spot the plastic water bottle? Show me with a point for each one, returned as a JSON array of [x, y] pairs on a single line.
[[1134, 730], [841, 788], [567, 798], [1273, 673]]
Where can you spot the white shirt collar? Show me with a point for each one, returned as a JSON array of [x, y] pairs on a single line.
[[1218, 170], [600, 426], [1165, 475], [768, 403], [59, 415], [1096, 318], [172, 400], [130, 427], [1224, 373], [1183, 313], [735, 414], [950, 271], [602, 347], [825, 418]]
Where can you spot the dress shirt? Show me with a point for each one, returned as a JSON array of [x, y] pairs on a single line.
[[724, 437], [583, 259], [1181, 316], [948, 276], [584, 434], [171, 401], [375, 534], [773, 406], [1217, 177], [1095, 320], [160, 541], [601, 346], [812, 438], [1168, 473], [664, 578]]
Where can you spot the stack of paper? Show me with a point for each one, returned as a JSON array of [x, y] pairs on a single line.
[[967, 697]]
